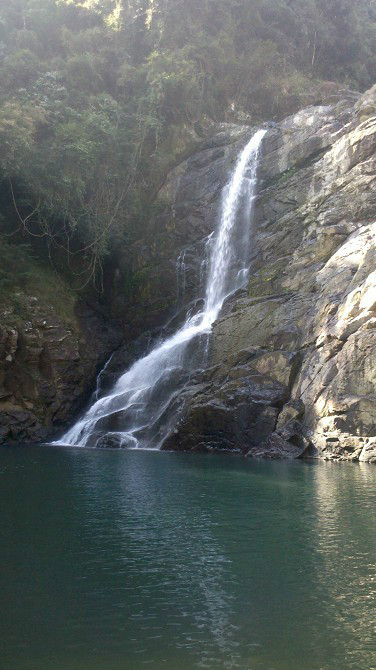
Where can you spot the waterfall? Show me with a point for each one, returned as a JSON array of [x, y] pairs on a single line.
[[142, 408], [181, 276]]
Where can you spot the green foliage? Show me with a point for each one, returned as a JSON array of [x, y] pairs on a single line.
[[15, 268], [20, 68], [18, 125], [93, 93]]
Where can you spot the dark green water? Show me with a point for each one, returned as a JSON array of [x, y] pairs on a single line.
[[133, 560]]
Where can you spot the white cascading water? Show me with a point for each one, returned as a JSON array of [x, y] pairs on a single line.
[[142, 408]]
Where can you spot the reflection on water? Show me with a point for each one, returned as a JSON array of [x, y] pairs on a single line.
[[168, 543], [345, 564], [131, 560], [164, 546]]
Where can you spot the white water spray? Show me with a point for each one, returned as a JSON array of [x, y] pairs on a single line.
[[141, 410]]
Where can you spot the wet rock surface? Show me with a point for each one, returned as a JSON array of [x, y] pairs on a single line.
[[293, 356], [168, 266], [47, 366]]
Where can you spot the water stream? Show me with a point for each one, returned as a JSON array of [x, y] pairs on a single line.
[[141, 409]]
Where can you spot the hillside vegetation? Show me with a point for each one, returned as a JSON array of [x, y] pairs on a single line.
[[95, 95]]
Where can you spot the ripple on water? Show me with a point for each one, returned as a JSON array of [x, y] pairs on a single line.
[[131, 560]]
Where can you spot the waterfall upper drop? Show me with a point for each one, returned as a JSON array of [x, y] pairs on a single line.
[[142, 408]]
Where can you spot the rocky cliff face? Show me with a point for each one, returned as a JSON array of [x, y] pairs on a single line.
[[292, 364], [50, 350], [168, 265], [52, 345]]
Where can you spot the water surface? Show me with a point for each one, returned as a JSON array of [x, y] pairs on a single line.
[[125, 560]]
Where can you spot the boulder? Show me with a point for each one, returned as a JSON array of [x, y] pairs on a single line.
[[275, 447]]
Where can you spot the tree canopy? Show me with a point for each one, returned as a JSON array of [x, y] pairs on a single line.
[[92, 92]]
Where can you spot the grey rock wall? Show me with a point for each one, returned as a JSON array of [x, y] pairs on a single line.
[[48, 363], [293, 357]]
